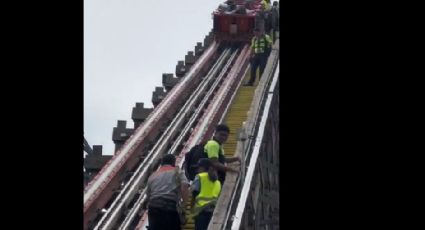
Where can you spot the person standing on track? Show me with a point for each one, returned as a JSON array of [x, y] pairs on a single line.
[[205, 191], [165, 188], [260, 48], [214, 150]]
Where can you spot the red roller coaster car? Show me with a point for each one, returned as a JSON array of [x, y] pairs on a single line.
[[236, 25]]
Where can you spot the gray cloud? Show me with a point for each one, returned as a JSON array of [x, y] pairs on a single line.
[[128, 44]]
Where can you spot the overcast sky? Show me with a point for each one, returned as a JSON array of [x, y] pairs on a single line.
[[128, 44]]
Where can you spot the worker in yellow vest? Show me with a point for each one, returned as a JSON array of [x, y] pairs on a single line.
[[260, 48], [266, 4], [205, 191]]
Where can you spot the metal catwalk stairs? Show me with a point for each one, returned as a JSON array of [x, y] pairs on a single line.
[[236, 114]]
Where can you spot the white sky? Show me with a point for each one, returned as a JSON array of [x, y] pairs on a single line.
[[128, 44]]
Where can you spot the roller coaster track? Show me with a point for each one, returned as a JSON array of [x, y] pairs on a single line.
[[213, 84], [246, 114], [100, 191]]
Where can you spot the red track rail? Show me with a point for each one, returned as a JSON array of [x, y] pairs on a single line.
[[109, 178]]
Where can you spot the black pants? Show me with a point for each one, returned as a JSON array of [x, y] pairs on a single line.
[[221, 177], [259, 60], [202, 220], [163, 220]]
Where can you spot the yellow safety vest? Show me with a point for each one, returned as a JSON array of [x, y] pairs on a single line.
[[259, 46], [209, 193], [266, 5]]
